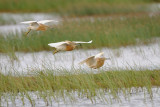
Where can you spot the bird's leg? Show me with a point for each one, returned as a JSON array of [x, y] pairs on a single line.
[[55, 51], [28, 32]]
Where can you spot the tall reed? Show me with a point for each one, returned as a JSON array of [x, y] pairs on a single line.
[[74, 7], [66, 85]]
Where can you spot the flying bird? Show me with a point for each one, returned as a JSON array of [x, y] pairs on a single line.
[[38, 25], [96, 61], [66, 45]]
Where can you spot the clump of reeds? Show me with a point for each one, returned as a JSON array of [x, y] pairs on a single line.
[[66, 85]]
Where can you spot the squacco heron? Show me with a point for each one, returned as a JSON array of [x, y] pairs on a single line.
[[96, 61], [38, 25], [66, 45]]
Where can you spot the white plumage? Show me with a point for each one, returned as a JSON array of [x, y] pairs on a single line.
[[66, 45], [66, 42], [96, 61], [99, 55], [38, 25], [56, 44], [28, 22], [82, 42], [39, 22]]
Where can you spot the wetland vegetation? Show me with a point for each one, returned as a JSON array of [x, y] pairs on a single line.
[[104, 32], [85, 84], [76, 7], [110, 24]]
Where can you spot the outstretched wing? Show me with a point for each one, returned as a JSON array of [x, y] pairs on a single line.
[[29, 22], [99, 55], [81, 42], [32, 23], [56, 44], [46, 21], [84, 61]]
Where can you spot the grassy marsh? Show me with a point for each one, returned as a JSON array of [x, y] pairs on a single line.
[[114, 24], [104, 31], [69, 7], [86, 85]]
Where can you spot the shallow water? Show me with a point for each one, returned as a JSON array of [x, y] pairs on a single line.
[[131, 57], [136, 98]]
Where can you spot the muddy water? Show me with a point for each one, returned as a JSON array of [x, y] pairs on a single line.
[[132, 57]]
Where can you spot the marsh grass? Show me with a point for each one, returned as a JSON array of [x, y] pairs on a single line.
[[68, 86], [74, 7], [104, 32]]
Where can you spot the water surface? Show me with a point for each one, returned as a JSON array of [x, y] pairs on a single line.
[[131, 57], [137, 98]]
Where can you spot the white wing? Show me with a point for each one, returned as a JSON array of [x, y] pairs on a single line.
[[29, 22], [56, 44], [46, 21], [84, 61], [99, 55], [82, 42]]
